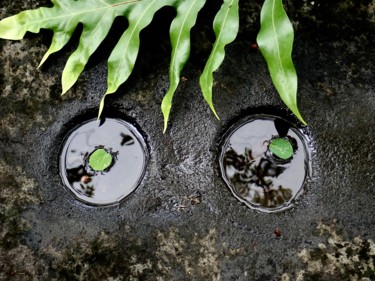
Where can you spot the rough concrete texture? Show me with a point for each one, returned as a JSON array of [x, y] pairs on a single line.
[[182, 223]]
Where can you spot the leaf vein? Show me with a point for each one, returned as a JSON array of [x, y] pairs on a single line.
[[180, 33], [217, 41], [275, 38], [113, 6], [132, 33]]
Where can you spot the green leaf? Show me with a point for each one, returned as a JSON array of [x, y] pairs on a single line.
[[123, 57], [100, 160], [96, 16], [59, 40], [226, 24], [186, 18], [91, 37], [275, 41], [282, 148]]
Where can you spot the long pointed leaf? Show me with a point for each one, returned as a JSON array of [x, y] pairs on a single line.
[[186, 18], [90, 40], [59, 40], [226, 24], [122, 59], [275, 40]]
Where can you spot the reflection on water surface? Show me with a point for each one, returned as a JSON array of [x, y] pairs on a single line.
[[254, 176], [126, 146]]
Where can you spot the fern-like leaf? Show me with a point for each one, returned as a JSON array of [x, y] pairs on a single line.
[[59, 40], [226, 24], [186, 17], [97, 16], [123, 57], [275, 40], [90, 40]]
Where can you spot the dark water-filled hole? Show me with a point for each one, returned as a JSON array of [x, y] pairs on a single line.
[[117, 140], [254, 175]]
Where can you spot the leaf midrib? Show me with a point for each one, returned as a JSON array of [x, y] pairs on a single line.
[[131, 35], [218, 40], [109, 6], [179, 34], [275, 39]]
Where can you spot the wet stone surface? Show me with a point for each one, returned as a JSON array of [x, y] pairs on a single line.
[[182, 222]]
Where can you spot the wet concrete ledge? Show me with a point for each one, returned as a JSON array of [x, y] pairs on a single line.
[[182, 223]]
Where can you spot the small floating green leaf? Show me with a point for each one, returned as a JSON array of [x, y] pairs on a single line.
[[100, 160], [282, 148]]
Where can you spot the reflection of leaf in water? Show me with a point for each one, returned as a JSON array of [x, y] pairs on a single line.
[[79, 175], [90, 190], [273, 197], [87, 190], [126, 140], [282, 127], [75, 174], [240, 185], [266, 168], [238, 161], [251, 174]]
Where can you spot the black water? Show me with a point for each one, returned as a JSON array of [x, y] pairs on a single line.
[[256, 177], [110, 186]]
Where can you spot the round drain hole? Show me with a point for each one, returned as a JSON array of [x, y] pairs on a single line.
[[101, 164], [265, 161]]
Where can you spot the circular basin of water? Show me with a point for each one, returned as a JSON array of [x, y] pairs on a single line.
[[254, 175], [102, 163]]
